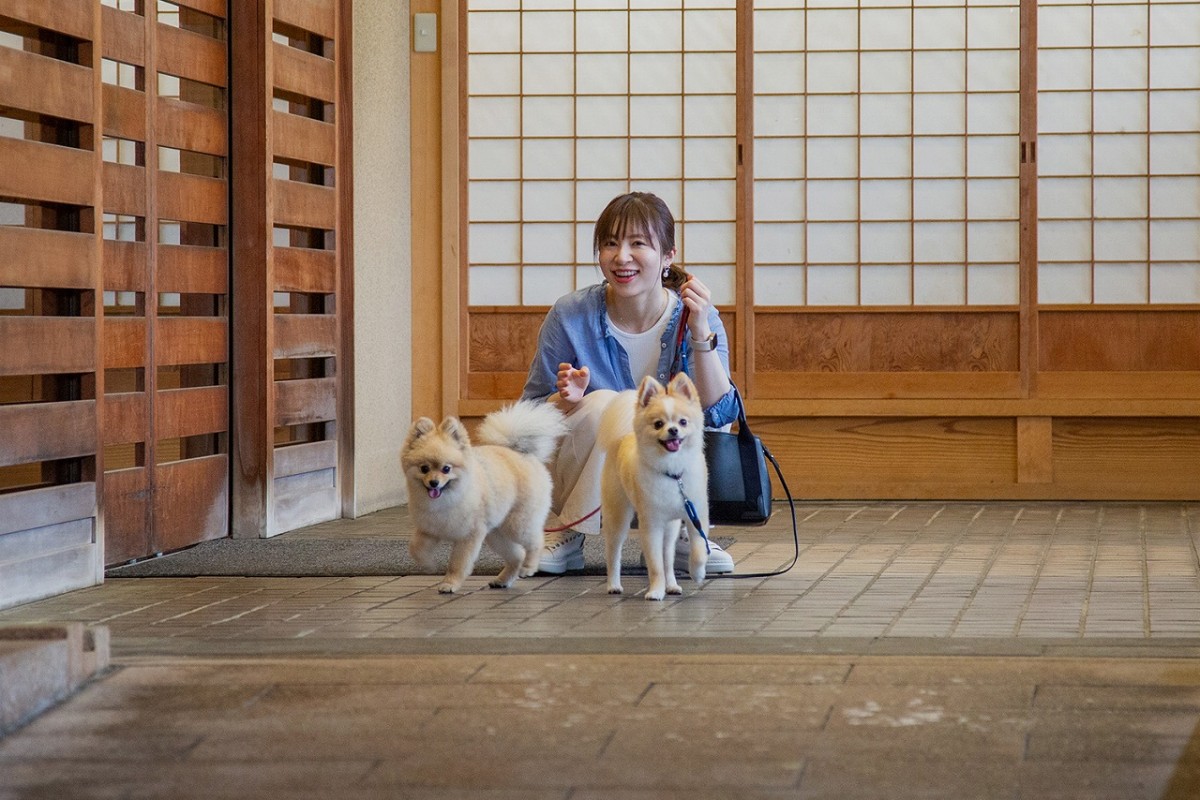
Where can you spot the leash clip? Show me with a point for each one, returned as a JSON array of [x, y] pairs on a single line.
[[689, 508]]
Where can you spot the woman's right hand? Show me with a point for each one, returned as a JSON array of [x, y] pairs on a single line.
[[572, 383]]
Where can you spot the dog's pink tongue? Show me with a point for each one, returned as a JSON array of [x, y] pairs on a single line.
[[672, 444], [435, 492]]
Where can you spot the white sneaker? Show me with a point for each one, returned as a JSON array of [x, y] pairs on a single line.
[[563, 551], [719, 561]]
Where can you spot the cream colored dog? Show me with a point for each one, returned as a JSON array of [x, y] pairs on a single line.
[[655, 460]]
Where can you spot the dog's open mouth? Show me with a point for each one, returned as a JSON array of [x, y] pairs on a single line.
[[672, 445], [435, 492]]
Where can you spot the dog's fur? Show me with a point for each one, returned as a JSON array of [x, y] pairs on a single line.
[[650, 435], [497, 491]]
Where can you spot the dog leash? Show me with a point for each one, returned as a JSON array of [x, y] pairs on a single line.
[[584, 518], [690, 509]]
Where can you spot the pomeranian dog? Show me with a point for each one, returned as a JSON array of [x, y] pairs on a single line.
[[655, 462], [497, 491]]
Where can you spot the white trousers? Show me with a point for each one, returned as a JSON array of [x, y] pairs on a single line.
[[577, 466]]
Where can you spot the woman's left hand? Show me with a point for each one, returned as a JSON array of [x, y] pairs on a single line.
[[696, 298]]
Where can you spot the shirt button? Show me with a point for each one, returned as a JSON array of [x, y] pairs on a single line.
[[662, 377], [663, 345]]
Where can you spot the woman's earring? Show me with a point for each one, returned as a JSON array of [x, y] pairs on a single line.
[[666, 272]]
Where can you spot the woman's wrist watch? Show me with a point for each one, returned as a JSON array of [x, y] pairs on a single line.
[[704, 345]]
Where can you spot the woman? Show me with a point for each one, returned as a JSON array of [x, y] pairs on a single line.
[[605, 338]]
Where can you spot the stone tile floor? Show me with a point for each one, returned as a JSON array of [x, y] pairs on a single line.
[[961, 650]]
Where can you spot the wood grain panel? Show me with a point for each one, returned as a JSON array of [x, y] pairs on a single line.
[[125, 417], [48, 172], [297, 459], [303, 401], [1035, 450], [299, 269], [124, 266], [47, 345], [190, 127], [504, 341], [24, 545], [886, 342], [1128, 458], [192, 340], [305, 205], [192, 198], [54, 573], [191, 412], [35, 257], [123, 36], [305, 335], [47, 431], [306, 499], [214, 8], [127, 515], [193, 503], [193, 270], [48, 505], [191, 55], [932, 385], [316, 16], [124, 342], [303, 139], [72, 17], [1143, 340], [497, 386], [124, 189], [1086, 387], [46, 85], [124, 113], [303, 73]]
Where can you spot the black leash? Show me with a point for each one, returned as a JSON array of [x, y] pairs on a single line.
[[795, 530]]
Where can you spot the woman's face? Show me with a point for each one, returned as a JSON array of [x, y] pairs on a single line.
[[632, 263]]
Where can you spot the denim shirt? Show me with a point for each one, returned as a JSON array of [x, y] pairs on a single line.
[[576, 332]]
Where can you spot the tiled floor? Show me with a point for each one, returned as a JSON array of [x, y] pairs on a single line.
[[916, 650]]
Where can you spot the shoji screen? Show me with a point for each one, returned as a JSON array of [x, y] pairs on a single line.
[[570, 104]]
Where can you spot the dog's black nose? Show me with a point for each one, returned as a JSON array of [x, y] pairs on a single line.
[[433, 484], [673, 431]]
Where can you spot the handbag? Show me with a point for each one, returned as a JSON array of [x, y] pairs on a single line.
[[739, 486]]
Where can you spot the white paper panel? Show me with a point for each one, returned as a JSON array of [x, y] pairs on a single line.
[[939, 199], [884, 72], [778, 243], [832, 115], [1064, 198], [655, 158], [1121, 240], [1122, 283], [710, 200], [1119, 154], [1121, 197], [1121, 112], [779, 286], [548, 158], [1174, 240], [832, 200], [601, 116], [1064, 241], [781, 115], [832, 242], [1064, 69], [541, 286], [939, 285], [547, 200], [886, 285], [1175, 111], [584, 239], [832, 29], [709, 158], [939, 71], [886, 28], [494, 243], [493, 286], [494, 32], [832, 73], [992, 242], [997, 198], [548, 74], [720, 279], [548, 243], [671, 192], [651, 115], [779, 30], [709, 73], [993, 71], [993, 113], [494, 158], [886, 242], [1174, 24], [1064, 112], [601, 73], [884, 114], [601, 30], [1064, 155], [885, 158], [709, 30], [993, 285], [1175, 283], [1175, 197], [601, 158], [495, 201], [1064, 283], [778, 73], [656, 73], [1064, 26], [939, 242], [939, 113], [547, 32], [494, 116], [655, 30], [938, 156], [1120, 69], [993, 28], [1175, 154], [832, 158], [709, 242], [939, 29], [779, 158], [587, 276], [1177, 68], [885, 199], [1120, 25], [832, 285], [778, 200], [709, 115], [494, 74]]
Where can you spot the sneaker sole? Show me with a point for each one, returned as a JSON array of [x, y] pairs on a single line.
[[573, 563], [715, 566]]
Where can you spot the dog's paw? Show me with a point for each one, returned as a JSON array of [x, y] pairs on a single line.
[[657, 594], [447, 588], [527, 573], [676, 589], [615, 589], [496, 583]]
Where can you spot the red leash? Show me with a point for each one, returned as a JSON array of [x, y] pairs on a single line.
[[573, 524]]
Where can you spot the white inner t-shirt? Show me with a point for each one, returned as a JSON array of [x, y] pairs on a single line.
[[645, 348]]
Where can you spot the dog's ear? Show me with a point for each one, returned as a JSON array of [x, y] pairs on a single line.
[[649, 389], [452, 427], [681, 384], [422, 427]]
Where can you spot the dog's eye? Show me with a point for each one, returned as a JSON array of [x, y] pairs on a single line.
[[446, 469], [658, 423], [683, 423]]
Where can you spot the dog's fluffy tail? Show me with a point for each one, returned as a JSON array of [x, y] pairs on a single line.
[[527, 427]]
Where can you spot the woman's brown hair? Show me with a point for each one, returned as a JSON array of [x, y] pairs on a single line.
[[643, 212]]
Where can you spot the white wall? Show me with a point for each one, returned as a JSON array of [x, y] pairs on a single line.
[[382, 252]]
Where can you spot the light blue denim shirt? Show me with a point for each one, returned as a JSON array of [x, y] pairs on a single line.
[[576, 332]]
